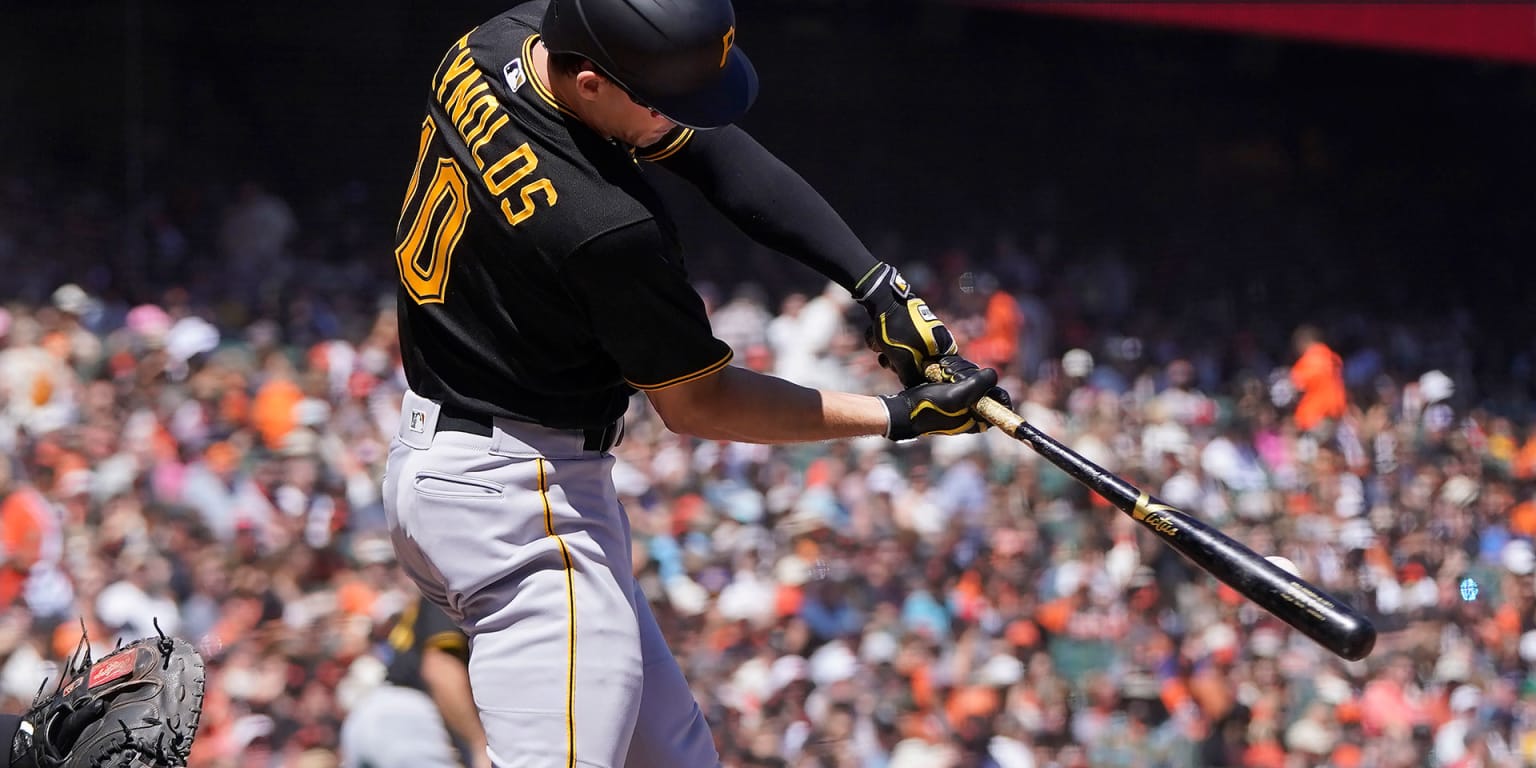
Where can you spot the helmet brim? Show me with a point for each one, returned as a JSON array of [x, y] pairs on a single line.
[[720, 104]]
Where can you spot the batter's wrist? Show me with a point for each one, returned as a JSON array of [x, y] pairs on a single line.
[[898, 417], [875, 290]]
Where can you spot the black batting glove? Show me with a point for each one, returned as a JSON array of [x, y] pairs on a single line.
[[903, 331], [956, 367], [941, 408]]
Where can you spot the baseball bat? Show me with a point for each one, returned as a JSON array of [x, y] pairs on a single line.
[[1334, 625]]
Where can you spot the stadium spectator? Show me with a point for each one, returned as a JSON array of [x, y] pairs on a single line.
[[849, 603], [1319, 378]]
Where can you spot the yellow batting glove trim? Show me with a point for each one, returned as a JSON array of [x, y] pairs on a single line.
[[928, 405], [924, 326], [960, 430]]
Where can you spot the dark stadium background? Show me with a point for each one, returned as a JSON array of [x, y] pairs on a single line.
[[1271, 181]]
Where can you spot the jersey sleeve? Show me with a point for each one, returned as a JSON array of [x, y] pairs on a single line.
[[438, 631], [670, 144], [765, 198], [643, 311]]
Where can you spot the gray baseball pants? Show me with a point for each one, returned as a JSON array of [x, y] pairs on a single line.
[[521, 538]]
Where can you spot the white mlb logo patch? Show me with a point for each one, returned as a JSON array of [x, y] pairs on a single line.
[[418, 421], [514, 74]]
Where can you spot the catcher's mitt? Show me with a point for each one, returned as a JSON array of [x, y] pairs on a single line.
[[134, 708]]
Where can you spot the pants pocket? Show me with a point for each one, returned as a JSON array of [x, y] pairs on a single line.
[[450, 486]]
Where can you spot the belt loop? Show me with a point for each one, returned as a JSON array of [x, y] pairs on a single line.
[[418, 420], [595, 440], [605, 439]]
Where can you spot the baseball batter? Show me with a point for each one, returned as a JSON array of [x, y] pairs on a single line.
[[541, 285]]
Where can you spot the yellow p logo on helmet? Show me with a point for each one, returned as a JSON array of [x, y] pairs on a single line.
[[726, 41]]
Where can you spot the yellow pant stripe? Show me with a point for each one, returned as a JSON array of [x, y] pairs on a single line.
[[570, 643]]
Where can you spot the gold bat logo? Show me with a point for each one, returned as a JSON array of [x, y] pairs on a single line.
[[1155, 516], [726, 41]]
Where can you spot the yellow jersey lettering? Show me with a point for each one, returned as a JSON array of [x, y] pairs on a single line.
[[485, 107], [458, 103], [471, 103], [524, 154], [485, 138], [462, 63], [526, 193], [426, 253], [476, 115], [428, 130]]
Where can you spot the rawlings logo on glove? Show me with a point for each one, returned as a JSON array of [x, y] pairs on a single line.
[[110, 668]]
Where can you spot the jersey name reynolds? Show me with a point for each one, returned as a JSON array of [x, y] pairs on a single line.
[[437, 200], [469, 104]]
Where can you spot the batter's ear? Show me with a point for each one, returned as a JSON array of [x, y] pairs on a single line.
[[589, 84]]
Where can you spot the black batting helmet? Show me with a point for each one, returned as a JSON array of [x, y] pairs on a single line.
[[678, 57]]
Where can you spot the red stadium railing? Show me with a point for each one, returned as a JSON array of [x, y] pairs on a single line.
[[1495, 31]]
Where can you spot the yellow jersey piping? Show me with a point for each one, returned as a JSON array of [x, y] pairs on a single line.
[[685, 378], [538, 85], [670, 149]]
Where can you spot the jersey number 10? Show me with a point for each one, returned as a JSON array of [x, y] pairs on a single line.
[[425, 252]]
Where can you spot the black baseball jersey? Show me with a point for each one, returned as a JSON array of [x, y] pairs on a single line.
[[421, 625], [506, 307]]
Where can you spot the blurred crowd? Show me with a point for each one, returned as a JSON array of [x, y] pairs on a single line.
[[202, 451]]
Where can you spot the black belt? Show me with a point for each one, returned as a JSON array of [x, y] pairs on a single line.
[[594, 438]]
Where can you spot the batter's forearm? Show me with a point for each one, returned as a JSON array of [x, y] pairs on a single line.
[[806, 416], [772, 203], [447, 680], [745, 406]]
